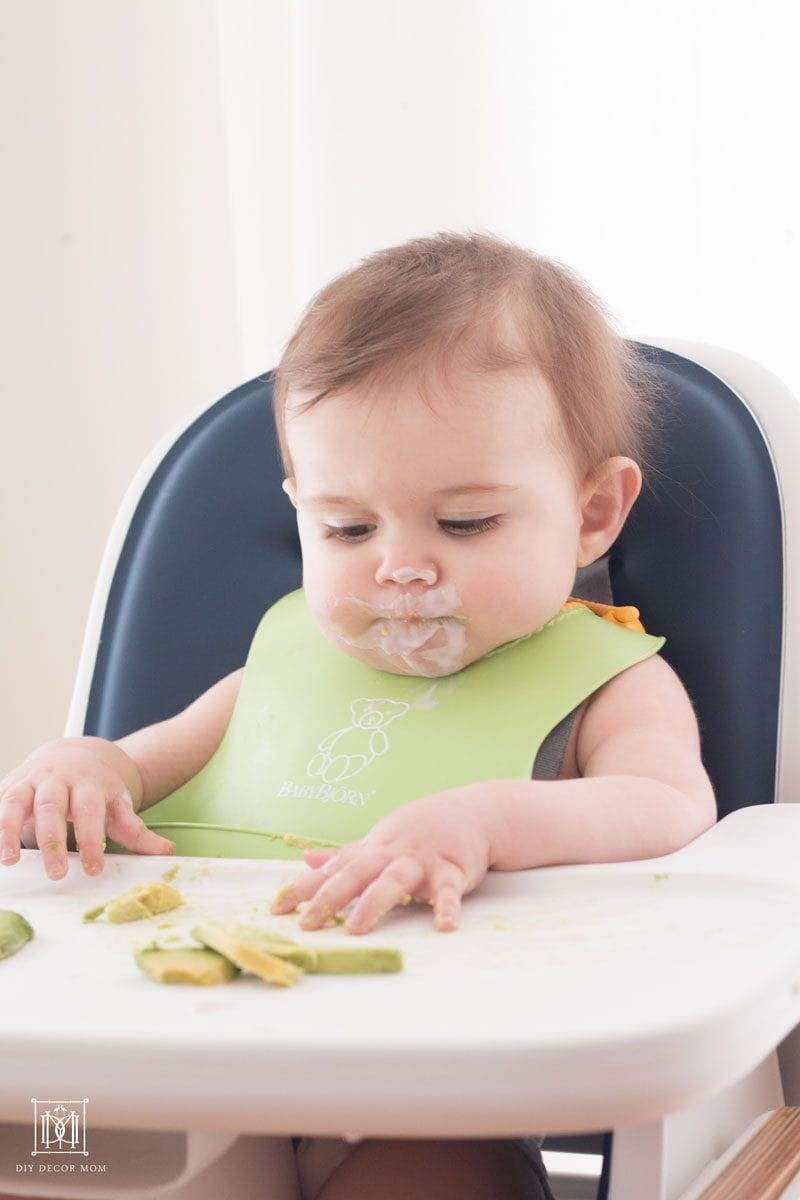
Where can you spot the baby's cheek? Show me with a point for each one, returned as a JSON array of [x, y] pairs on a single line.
[[345, 617], [502, 613], [321, 618]]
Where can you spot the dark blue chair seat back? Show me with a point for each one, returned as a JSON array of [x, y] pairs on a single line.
[[213, 543]]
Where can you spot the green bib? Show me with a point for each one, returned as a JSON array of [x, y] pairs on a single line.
[[322, 746]]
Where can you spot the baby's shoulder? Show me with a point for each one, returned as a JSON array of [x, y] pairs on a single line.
[[646, 699]]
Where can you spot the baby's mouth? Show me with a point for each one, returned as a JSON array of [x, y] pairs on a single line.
[[424, 646], [351, 616], [406, 634], [418, 631]]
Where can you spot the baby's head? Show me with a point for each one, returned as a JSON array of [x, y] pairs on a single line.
[[460, 427]]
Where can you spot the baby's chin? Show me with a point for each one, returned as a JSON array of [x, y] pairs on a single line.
[[431, 649]]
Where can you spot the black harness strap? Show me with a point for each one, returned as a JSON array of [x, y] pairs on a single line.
[[591, 583]]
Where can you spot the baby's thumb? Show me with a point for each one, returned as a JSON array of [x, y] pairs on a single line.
[[129, 830]]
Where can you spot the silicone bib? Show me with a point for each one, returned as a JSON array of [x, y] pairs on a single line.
[[321, 746]]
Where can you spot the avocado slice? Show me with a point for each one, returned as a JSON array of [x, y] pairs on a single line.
[[196, 964], [317, 960], [355, 960], [139, 902], [232, 941], [15, 931]]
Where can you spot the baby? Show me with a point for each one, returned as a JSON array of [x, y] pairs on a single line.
[[461, 431]]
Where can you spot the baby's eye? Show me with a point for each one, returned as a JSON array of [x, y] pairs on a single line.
[[349, 533], [470, 526]]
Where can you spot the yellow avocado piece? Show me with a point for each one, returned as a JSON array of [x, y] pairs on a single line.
[[197, 965], [15, 932], [139, 902], [227, 939]]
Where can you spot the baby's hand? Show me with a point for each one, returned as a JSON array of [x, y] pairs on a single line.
[[435, 849], [87, 781]]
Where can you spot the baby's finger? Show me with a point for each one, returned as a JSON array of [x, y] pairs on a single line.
[[319, 858], [400, 879], [18, 775], [127, 827], [15, 808], [447, 891], [50, 822], [303, 888], [88, 813], [347, 882], [309, 882]]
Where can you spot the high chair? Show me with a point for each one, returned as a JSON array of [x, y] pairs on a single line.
[[206, 541]]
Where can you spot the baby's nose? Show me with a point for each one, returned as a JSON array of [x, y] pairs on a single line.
[[410, 574]]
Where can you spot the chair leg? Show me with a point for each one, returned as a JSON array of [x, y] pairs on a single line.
[[660, 1160], [605, 1173], [761, 1166], [637, 1166]]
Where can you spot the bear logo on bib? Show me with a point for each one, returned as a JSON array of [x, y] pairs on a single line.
[[345, 752]]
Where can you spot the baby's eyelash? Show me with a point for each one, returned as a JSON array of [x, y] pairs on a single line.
[[470, 526], [466, 527], [349, 533]]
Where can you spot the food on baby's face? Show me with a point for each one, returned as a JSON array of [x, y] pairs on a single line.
[[139, 902], [196, 964], [15, 932]]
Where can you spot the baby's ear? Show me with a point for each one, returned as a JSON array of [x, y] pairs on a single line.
[[607, 496], [290, 487]]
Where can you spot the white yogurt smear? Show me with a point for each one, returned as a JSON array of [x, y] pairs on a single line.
[[398, 629]]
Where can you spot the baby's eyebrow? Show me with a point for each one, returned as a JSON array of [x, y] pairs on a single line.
[[463, 489], [458, 489], [328, 501], [324, 501]]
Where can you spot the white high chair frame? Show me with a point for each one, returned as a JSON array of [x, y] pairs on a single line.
[[656, 1161], [650, 1162]]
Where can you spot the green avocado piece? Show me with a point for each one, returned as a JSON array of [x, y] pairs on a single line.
[[15, 931], [92, 914], [197, 965], [317, 960], [356, 960]]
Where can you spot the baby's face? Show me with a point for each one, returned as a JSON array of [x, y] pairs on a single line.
[[434, 532]]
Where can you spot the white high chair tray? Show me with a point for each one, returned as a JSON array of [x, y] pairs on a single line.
[[571, 999]]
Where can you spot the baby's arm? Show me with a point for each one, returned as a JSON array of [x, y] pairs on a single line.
[[100, 786], [638, 788], [640, 791]]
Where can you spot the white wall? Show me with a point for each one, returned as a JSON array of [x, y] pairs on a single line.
[[182, 174], [119, 303], [650, 146]]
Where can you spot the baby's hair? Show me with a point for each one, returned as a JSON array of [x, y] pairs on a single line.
[[471, 302]]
